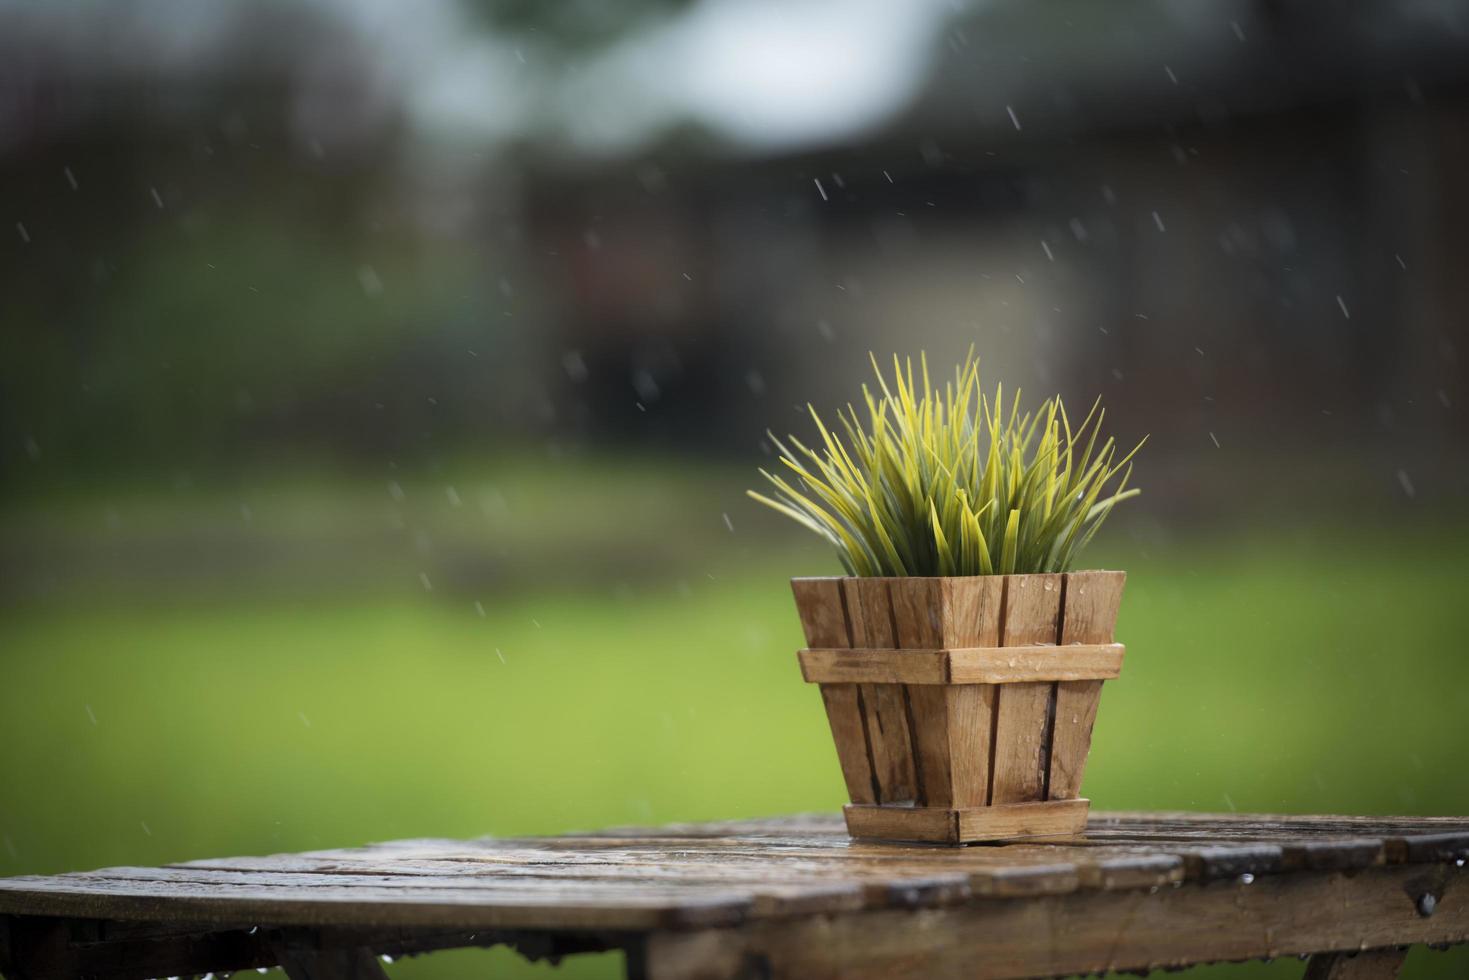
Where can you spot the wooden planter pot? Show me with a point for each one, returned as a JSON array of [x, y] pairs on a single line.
[[962, 708]]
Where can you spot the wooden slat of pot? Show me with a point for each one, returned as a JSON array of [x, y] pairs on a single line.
[[885, 712], [1032, 610], [1089, 615], [971, 619], [1041, 663], [918, 609], [951, 725], [823, 612]]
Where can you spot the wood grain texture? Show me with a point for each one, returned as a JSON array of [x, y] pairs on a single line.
[[844, 713], [828, 666], [870, 613], [1372, 964], [822, 607], [1021, 821], [408, 895], [973, 665], [1078, 933], [1011, 664], [918, 623], [1091, 602], [938, 825], [971, 619], [1032, 608], [950, 728]]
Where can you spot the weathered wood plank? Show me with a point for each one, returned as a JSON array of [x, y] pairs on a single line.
[[1276, 916], [845, 715], [971, 618], [867, 864], [823, 614], [1003, 821], [869, 610], [918, 623], [1041, 663], [1091, 601], [331, 900], [871, 667], [1031, 616], [692, 877], [1022, 820], [823, 610]]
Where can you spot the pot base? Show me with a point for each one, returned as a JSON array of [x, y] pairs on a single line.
[[968, 825]]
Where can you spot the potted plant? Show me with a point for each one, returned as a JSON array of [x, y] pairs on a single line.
[[960, 659]]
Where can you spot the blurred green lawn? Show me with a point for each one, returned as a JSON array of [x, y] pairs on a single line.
[[1290, 671]]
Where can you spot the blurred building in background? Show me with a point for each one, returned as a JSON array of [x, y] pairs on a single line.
[[348, 231]]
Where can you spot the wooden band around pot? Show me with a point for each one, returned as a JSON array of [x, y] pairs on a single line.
[[1033, 663], [968, 825]]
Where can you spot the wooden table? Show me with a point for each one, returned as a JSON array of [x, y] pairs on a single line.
[[790, 897]]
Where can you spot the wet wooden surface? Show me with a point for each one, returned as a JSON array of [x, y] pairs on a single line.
[[735, 899]]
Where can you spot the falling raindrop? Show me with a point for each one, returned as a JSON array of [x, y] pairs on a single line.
[[367, 278], [1406, 482]]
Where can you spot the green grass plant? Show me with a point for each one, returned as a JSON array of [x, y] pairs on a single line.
[[950, 482]]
